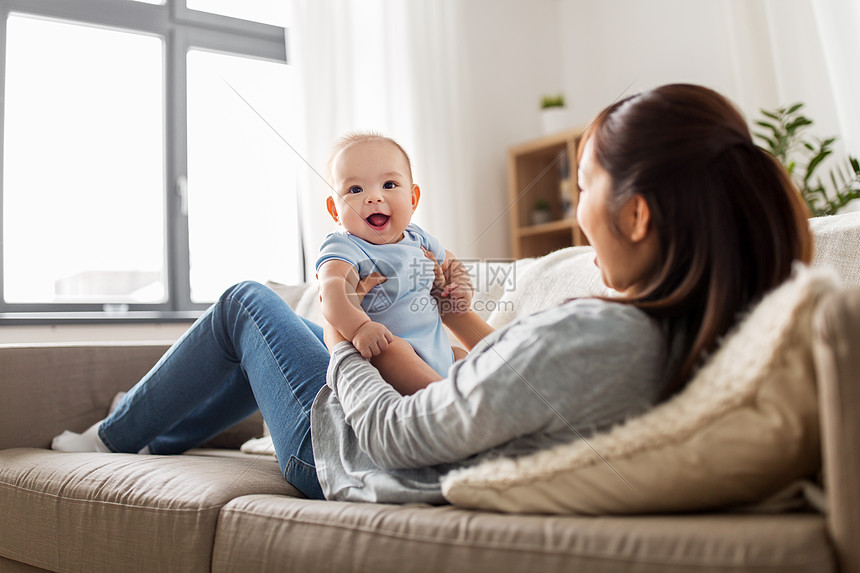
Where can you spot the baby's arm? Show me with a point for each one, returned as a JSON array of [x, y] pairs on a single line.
[[337, 280]]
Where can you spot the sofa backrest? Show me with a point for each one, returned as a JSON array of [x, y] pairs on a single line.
[[837, 244]]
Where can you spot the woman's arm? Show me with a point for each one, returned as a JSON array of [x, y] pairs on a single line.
[[469, 327], [554, 374]]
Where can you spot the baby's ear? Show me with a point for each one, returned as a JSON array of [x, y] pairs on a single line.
[[331, 208], [416, 195]]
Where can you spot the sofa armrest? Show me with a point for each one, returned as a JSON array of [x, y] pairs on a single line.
[[837, 359], [50, 388]]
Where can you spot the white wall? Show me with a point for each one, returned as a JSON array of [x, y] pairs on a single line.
[[615, 48], [760, 53], [513, 59]]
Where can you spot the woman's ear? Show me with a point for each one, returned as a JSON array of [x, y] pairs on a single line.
[[416, 195], [331, 208], [639, 216]]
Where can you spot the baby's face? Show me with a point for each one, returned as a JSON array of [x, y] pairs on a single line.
[[373, 196]]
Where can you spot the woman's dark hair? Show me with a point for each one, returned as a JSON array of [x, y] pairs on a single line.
[[729, 221]]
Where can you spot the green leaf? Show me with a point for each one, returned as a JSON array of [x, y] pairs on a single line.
[[777, 132], [797, 123], [771, 115], [771, 144], [815, 162], [855, 165], [794, 108], [843, 180]]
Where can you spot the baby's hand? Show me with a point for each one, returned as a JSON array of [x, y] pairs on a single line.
[[371, 339], [457, 298]]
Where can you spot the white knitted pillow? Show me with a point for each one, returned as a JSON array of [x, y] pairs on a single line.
[[744, 427]]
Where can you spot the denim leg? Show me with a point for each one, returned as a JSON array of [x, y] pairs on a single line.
[[249, 348], [229, 404]]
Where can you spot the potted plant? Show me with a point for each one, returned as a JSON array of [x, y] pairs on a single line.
[[541, 212], [801, 155], [553, 114]]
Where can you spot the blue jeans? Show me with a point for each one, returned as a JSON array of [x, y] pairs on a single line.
[[248, 351]]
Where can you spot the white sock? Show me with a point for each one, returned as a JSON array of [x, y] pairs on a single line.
[[89, 441]]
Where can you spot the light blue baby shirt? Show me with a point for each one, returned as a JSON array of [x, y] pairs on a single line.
[[403, 302]]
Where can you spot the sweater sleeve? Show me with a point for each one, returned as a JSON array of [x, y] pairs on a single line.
[[541, 375]]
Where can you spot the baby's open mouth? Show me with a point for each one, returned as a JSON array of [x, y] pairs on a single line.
[[377, 220]]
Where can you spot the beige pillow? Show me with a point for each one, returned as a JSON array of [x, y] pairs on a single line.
[[537, 284], [744, 427]]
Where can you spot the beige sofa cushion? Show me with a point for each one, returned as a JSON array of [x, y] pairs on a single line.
[[549, 281], [269, 534], [93, 512], [837, 245], [746, 425]]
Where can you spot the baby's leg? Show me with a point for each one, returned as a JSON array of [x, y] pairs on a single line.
[[401, 367], [459, 353]]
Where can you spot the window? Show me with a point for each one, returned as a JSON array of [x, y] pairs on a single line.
[[143, 169]]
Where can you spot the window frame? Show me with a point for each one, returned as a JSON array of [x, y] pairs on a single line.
[[180, 29]]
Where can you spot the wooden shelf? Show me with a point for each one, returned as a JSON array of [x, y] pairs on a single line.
[[544, 170], [560, 225]]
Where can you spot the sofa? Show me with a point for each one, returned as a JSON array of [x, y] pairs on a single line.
[[220, 509]]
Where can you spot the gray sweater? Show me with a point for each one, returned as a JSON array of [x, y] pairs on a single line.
[[549, 378]]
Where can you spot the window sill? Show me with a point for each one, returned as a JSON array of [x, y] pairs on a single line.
[[128, 317]]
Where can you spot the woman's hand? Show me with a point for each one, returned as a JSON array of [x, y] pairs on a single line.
[[452, 288], [367, 283]]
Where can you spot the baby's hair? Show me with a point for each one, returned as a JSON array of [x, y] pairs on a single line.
[[354, 137]]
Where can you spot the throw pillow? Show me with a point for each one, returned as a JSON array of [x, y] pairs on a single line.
[[744, 427]]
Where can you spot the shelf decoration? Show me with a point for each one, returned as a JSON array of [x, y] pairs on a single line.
[[542, 212], [553, 114]]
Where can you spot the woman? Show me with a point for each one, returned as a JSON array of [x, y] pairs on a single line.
[[689, 221]]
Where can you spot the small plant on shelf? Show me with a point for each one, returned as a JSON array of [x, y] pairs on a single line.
[[553, 114], [802, 155], [541, 212], [550, 101]]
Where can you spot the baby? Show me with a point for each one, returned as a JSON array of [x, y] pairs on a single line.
[[373, 198]]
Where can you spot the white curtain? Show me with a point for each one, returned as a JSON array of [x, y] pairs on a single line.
[[785, 51], [838, 24], [390, 66]]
